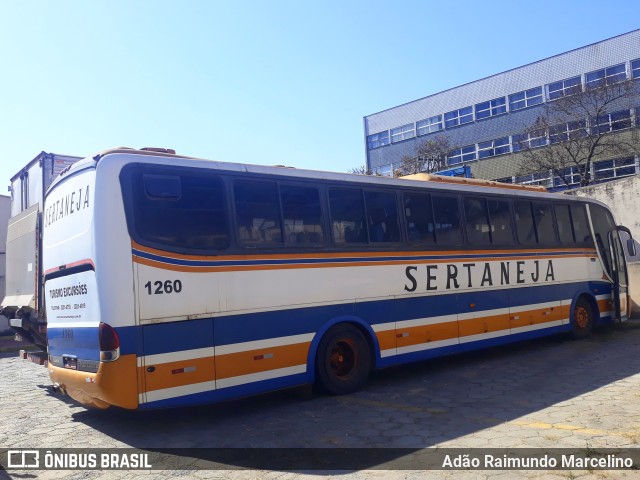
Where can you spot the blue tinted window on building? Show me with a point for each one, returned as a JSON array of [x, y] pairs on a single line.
[[563, 88], [567, 131], [464, 154], [378, 140], [610, 122], [402, 133], [533, 139], [491, 148], [525, 99], [458, 117], [606, 76], [635, 69], [429, 125], [491, 108]]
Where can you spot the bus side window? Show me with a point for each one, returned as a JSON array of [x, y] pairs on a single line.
[[525, 227], [258, 212], [382, 213], [302, 215], [543, 215], [500, 219], [447, 220], [419, 218], [563, 221], [581, 224], [347, 215], [477, 221]]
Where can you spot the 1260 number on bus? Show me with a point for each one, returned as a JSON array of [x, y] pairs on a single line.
[[167, 286]]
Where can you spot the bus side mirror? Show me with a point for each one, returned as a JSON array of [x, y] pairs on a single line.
[[631, 244]]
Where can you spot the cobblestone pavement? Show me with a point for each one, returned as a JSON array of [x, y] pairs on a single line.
[[552, 392]]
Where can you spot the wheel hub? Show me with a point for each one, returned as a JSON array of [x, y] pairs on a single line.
[[343, 358], [581, 317]]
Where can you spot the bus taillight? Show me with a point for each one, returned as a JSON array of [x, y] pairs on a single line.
[[109, 343]]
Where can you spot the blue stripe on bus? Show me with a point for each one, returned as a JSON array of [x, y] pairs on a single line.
[[229, 393], [302, 378], [232, 329], [306, 260], [471, 346], [191, 334]]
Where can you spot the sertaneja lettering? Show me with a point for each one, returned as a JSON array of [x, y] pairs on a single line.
[[524, 270]]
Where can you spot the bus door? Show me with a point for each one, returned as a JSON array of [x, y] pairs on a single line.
[[619, 275]]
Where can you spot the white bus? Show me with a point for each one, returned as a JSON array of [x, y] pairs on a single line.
[[173, 281]]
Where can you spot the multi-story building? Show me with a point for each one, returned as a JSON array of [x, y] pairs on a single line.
[[486, 121]]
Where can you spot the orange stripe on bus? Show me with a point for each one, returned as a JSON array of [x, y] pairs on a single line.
[[301, 265], [426, 333], [605, 305], [386, 339], [261, 360], [535, 317], [479, 325], [362, 254], [163, 376]]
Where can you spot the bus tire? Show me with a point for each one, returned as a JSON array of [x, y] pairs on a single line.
[[343, 361], [582, 322]]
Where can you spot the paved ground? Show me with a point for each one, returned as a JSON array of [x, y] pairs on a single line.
[[552, 392]]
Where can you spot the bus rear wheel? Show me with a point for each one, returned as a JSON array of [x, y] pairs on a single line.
[[343, 361], [582, 319]]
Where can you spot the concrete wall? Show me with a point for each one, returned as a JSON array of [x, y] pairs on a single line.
[[623, 198]]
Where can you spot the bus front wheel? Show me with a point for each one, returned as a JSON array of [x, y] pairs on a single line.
[[343, 361], [582, 319]]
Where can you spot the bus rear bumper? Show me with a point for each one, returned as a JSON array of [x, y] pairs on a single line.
[[115, 383]]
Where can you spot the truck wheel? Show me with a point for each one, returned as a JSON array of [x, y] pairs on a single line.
[[582, 322], [343, 361]]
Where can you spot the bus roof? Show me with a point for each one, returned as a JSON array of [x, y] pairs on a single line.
[[419, 180]]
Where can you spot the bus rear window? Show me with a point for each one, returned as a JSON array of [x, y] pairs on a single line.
[[184, 211], [162, 186]]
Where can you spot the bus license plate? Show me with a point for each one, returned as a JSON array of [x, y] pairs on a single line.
[[71, 363]]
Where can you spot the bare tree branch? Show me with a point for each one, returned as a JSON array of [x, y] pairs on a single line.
[[577, 128], [431, 156]]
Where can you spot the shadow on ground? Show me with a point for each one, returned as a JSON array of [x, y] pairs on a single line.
[[405, 408]]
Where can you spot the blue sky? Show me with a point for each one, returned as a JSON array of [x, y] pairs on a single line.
[[279, 82]]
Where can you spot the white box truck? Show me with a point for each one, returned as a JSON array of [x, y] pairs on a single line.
[[23, 301]]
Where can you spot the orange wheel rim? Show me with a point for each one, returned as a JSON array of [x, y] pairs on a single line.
[[581, 317]]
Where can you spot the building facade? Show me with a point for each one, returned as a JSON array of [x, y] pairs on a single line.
[[486, 121]]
